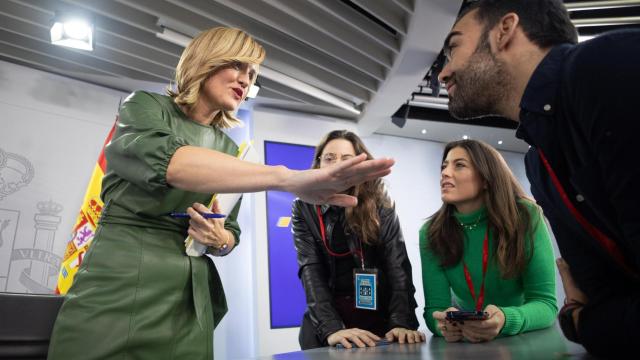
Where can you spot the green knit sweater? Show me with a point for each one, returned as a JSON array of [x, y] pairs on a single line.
[[527, 301]]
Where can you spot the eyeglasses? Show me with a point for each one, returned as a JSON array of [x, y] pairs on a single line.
[[330, 158]]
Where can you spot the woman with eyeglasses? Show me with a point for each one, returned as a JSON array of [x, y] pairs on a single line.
[[137, 295], [353, 262]]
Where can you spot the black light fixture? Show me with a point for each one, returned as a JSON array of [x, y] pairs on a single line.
[[400, 116]]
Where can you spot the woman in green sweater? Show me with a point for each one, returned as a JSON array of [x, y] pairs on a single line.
[[487, 248]]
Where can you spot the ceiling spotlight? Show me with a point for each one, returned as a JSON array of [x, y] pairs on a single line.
[[465, 137], [72, 31], [253, 90], [424, 131], [499, 142]]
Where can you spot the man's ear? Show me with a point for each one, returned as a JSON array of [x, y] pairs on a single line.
[[506, 30]]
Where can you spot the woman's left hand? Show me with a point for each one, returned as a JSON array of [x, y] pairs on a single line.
[[209, 232], [403, 335], [484, 330]]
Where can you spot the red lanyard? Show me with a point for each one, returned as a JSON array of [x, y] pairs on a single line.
[[608, 244], [485, 259], [324, 240]]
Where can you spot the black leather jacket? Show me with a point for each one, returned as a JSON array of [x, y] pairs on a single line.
[[317, 268]]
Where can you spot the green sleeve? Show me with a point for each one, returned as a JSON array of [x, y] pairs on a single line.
[[437, 291], [143, 143], [231, 223], [539, 283]]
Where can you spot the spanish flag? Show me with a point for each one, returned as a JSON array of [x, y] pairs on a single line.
[[86, 223]]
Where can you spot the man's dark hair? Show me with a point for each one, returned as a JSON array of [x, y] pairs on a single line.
[[545, 22]]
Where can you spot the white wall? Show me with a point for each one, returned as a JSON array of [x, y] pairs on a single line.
[[56, 126]]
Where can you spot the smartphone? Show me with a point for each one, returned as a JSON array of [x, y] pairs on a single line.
[[467, 315]]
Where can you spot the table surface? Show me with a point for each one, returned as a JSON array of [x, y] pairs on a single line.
[[542, 344]]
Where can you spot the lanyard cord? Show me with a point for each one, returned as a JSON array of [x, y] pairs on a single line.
[[324, 241], [609, 245], [485, 259]]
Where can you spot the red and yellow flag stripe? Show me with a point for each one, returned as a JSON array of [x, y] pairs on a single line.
[[86, 223]]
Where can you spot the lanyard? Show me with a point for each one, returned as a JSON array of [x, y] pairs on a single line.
[[609, 245], [485, 259], [324, 241]]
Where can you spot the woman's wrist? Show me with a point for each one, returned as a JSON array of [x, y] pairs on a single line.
[[575, 314], [281, 178], [568, 319], [226, 247]]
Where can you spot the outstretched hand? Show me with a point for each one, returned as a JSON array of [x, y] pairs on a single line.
[[324, 185]]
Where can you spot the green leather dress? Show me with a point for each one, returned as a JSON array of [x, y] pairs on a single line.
[[137, 295]]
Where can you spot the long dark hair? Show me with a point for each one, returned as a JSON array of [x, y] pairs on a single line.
[[363, 219], [508, 218]]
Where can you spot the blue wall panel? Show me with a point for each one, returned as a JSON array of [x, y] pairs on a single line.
[[287, 300]]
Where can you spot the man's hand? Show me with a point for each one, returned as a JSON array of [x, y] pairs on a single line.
[[571, 290]]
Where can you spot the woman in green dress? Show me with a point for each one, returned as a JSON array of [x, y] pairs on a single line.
[[137, 295]]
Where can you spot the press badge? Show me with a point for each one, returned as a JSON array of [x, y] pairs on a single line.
[[366, 285]]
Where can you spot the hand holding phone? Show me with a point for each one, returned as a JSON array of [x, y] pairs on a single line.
[[461, 315]]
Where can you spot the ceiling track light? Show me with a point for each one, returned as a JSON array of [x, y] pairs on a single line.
[[606, 21], [73, 31], [431, 102], [596, 5]]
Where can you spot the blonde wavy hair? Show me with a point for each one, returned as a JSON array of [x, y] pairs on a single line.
[[208, 52]]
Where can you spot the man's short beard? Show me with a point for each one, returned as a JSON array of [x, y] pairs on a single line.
[[482, 86]]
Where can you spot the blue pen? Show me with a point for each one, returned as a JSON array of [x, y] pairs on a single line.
[[181, 215]]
